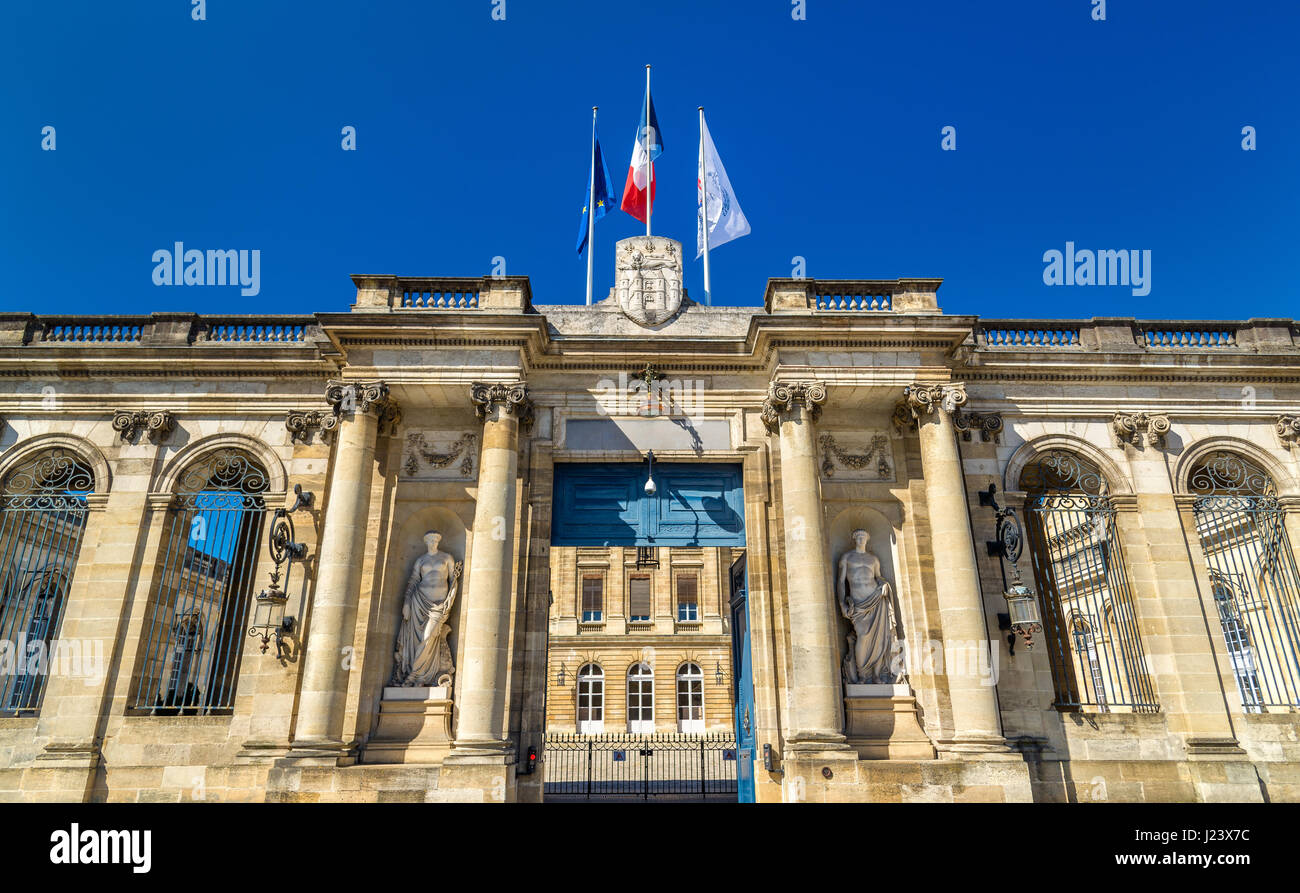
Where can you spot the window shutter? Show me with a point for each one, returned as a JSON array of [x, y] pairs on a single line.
[[591, 594], [687, 589], [639, 597]]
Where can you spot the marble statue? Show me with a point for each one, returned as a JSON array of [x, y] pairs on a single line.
[[423, 656], [867, 602]]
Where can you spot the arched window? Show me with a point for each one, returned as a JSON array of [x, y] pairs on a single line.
[[1253, 577], [204, 578], [591, 700], [1078, 564], [42, 518], [640, 699], [690, 699]]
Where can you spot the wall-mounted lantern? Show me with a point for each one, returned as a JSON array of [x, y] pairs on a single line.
[[559, 676], [719, 675], [268, 608], [650, 488], [1022, 616]]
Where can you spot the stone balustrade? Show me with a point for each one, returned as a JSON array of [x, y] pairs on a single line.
[[158, 329], [1114, 335]]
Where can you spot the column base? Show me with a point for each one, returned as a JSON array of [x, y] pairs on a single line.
[[318, 752], [975, 742], [262, 752], [813, 741]]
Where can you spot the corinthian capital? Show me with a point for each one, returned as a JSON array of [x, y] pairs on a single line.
[[787, 396], [357, 397], [923, 399], [511, 398]]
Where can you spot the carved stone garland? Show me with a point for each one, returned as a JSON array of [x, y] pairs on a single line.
[[878, 448]]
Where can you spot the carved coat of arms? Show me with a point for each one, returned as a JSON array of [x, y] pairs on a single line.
[[648, 277]]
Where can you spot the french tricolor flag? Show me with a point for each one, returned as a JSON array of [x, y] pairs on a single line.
[[639, 192]]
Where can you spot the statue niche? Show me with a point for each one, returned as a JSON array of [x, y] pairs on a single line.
[[423, 655], [867, 601]]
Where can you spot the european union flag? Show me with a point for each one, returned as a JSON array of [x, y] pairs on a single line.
[[604, 188]]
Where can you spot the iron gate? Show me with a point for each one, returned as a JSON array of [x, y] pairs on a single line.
[[42, 518], [1078, 561], [1253, 578], [638, 767], [193, 637]]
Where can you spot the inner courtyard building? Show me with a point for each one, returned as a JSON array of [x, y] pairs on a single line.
[[452, 544]]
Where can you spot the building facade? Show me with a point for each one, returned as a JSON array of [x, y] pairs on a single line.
[[1141, 480]]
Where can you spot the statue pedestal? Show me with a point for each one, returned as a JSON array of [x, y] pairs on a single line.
[[414, 727], [882, 723]]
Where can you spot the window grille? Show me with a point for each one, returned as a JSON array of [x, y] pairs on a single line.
[[193, 634], [1253, 578], [42, 518], [1083, 586]]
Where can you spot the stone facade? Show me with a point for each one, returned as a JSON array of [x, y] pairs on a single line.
[[448, 403]]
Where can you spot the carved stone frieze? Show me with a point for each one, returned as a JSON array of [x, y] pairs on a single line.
[[159, 423], [787, 396]]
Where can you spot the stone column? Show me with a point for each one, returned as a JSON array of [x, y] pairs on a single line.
[[484, 661], [358, 410], [816, 713], [975, 722]]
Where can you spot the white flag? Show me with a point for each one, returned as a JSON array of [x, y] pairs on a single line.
[[726, 220]]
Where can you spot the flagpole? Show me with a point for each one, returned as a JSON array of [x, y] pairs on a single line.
[[649, 165], [591, 205], [704, 214]]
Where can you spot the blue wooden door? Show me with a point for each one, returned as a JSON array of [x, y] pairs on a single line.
[[742, 674], [606, 505]]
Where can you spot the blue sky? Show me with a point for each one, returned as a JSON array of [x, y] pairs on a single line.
[[472, 143]]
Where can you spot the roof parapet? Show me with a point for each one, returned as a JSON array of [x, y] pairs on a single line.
[[821, 296], [485, 294]]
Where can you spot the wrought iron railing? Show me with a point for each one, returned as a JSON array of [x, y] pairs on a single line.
[[639, 767]]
